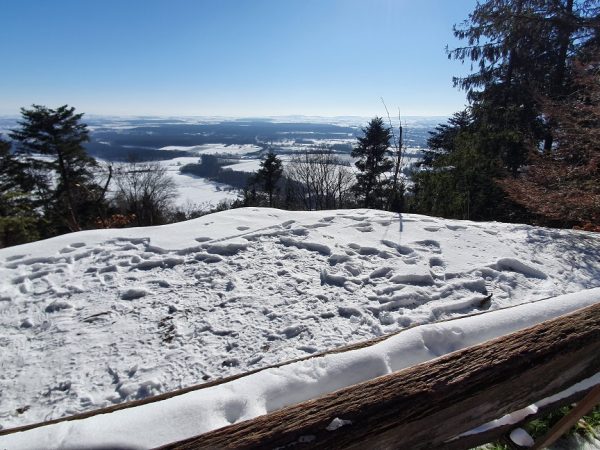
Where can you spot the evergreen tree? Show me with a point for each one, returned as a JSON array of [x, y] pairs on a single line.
[[522, 51], [59, 135], [269, 174], [563, 186], [457, 176], [19, 219], [14, 175], [523, 44], [442, 140], [373, 164], [521, 48]]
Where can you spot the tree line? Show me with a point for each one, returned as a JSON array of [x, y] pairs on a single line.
[[319, 178], [526, 148], [50, 185]]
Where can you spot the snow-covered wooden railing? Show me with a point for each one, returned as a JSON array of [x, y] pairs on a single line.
[[431, 404]]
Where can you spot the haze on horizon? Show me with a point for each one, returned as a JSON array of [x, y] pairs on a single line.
[[232, 58]]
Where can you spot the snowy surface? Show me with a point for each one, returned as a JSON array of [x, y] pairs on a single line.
[[195, 190], [100, 317], [520, 437], [249, 165], [199, 411], [217, 149]]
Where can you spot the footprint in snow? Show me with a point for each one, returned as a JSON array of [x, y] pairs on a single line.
[[437, 266], [367, 228], [15, 257], [456, 227]]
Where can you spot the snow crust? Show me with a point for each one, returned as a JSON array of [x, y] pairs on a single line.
[[199, 411], [217, 149], [100, 317]]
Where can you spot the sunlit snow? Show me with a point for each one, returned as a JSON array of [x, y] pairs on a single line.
[[100, 317]]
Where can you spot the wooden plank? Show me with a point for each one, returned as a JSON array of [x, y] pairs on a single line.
[[501, 432], [568, 421], [424, 406]]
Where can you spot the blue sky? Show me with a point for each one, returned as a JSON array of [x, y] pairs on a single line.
[[231, 57]]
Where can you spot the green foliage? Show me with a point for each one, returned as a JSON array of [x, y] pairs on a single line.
[[19, 219], [494, 446], [373, 164], [19, 222], [523, 45], [269, 174], [522, 51], [50, 144], [457, 176], [19, 229], [14, 174], [588, 425]]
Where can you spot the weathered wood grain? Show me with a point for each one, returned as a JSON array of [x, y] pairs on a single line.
[[423, 406]]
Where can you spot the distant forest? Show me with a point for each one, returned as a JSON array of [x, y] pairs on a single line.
[[211, 167], [142, 139]]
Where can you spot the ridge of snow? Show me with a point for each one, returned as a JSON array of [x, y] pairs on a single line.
[[203, 410]]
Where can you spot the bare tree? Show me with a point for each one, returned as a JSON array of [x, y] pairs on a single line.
[[322, 179], [396, 197], [145, 190]]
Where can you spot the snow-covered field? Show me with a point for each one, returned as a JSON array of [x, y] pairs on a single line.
[[100, 317], [248, 165], [193, 190], [217, 149]]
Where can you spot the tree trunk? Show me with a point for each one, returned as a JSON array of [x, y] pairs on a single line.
[[558, 89], [73, 223]]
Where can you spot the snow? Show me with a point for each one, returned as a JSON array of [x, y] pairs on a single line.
[[520, 437], [217, 149], [249, 165], [337, 423], [200, 411], [522, 414], [100, 317], [193, 190]]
